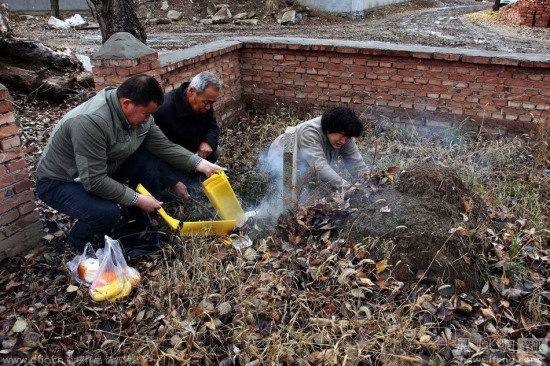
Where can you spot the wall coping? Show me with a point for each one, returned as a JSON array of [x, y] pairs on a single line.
[[358, 47], [122, 46], [390, 49], [203, 50]]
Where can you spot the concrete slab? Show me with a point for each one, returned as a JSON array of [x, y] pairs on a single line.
[[122, 45], [289, 168]]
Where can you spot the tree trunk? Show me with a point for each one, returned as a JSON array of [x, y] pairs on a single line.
[[5, 27], [32, 67], [26, 49], [54, 5], [118, 16], [43, 82]]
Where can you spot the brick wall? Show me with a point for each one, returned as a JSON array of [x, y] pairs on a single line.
[[20, 226], [172, 69], [533, 13], [430, 87], [417, 86]]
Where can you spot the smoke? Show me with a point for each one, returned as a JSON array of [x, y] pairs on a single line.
[[271, 165], [277, 200]]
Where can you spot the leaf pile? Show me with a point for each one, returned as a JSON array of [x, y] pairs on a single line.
[[303, 293]]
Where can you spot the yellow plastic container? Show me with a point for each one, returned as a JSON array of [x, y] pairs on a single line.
[[208, 228], [223, 198], [194, 228]]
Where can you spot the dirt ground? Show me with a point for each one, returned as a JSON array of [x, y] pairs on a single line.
[[412, 218], [440, 23]]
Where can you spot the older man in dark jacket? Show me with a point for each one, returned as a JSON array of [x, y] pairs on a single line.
[[187, 115], [187, 118]]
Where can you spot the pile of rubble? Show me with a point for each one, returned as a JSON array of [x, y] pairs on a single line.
[[221, 14]]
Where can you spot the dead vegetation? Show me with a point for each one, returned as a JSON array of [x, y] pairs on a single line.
[[306, 292]]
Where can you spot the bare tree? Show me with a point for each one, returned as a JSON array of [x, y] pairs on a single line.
[[117, 16], [54, 5]]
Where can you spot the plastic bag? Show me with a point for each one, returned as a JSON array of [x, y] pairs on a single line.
[[115, 279], [84, 267]]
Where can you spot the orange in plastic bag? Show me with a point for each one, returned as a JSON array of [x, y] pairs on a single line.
[[114, 278]]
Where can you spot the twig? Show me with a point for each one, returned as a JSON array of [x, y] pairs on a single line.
[[373, 159]]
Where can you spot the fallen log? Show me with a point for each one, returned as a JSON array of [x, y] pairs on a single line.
[[26, 49], [32, 67], [43, 82]]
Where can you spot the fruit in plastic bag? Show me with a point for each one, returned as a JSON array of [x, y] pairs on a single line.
[[84, 267], [126, 290], [115, 278], [132, 275], [88, 269], [107, 291]]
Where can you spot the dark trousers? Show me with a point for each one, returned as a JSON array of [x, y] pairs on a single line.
[[96, 215]]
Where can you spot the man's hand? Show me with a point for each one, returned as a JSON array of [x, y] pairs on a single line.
[[207, 168], [148, 203], [180, 190], [204, 150]]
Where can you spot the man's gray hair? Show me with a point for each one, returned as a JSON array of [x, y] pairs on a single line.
[[205, 79]]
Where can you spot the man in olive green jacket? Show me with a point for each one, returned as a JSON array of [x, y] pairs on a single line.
[[99, 146]]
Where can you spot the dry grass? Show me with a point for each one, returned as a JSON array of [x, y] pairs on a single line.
[[286, 301]]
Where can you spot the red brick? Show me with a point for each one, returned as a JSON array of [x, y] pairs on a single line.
[[121, 63], [346, 50], [462, 77], [5, 106], [114, 80], [21, 223], [150, 57], [10, 155], [14, 165], [25, 208], [8, 217], [9, 130], [4, 94], [488, 80], [6, 118], [16, 200], [22, 186], [434, 88], [10, 143], [96, 62], [423, 55], [521, 83], [447, 56], [103, 70], [7, 180]]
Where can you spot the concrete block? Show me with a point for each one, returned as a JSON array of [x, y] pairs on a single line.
[[289, 168]]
